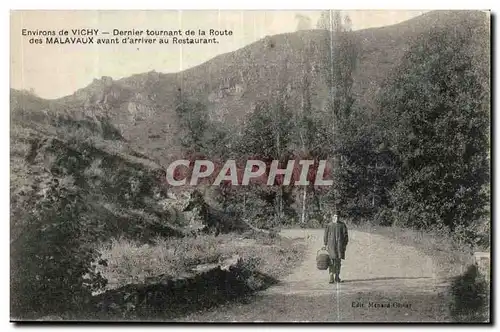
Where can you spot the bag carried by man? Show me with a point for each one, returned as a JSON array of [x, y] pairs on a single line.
[[322, 259]]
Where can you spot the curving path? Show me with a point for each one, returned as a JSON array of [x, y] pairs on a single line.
[[383, 281]]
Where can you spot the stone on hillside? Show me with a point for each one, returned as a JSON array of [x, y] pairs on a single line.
[[482, 260]]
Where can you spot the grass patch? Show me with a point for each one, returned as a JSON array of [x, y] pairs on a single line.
[[131, 262]]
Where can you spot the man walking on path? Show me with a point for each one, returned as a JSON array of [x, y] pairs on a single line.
[[335, 241]]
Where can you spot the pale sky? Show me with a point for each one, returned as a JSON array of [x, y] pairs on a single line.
[[58, 70]]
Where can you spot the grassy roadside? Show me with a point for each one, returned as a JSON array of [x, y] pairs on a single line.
[[131, 262]]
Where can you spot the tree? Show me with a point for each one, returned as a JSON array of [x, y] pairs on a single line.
[[369, 167], [310, 131], [267, 137], [339, 57], [197, 134], [53, 257], [304, 22], [192, 116], [441, 105]]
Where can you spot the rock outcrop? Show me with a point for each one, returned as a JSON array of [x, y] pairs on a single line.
[[165, 297]]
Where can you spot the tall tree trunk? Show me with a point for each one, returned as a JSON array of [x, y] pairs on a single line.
[[244, 203], [281, 204], [304, 197], [278, 150], [304, 151], [374, 184]]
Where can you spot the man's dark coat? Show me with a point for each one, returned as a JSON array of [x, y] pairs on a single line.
[[336, 239]]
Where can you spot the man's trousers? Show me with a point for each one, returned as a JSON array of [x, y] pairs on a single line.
[[335, 264]]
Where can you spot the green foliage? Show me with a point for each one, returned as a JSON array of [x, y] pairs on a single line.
[[193, 123], [421, 157], [267, 132], [65, 198], [345, 140], [470, 296], [367, 169], [267, 136], [52, 256], [197, 134], [441, 132], [339, 49], [257, 204]]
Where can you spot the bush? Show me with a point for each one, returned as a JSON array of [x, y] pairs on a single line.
[[470, 297], [441, 132], [132, 262], [53, 261], [384, 217]]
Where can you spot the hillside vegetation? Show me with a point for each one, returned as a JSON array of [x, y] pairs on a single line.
[[142, 106], [401, 112]]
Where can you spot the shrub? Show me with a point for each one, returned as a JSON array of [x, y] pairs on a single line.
[[442, 107], [132, 262], [53, 261], [470, 297]]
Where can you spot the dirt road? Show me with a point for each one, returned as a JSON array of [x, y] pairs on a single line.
[[383, 281]]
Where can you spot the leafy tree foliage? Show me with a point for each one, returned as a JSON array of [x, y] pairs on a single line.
[[419, 157], [193, 119], [197, 134], [52, 254], [368, 169], [340, 55], [267, 133], [340, 50], [266, 137], [440, 106]]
